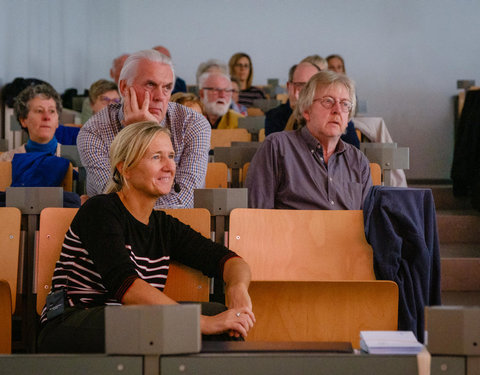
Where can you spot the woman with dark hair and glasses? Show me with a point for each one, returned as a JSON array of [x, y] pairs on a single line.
[[241, 67], [311, 167]]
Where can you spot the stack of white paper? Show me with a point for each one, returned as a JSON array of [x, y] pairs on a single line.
[[389, 342]]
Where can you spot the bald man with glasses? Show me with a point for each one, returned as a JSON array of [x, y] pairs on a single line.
[[216, 96]]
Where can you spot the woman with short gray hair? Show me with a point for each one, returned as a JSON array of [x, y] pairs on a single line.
[[37, 109]]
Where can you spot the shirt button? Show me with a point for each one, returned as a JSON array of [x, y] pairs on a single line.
[[331, 179], [332, 203]]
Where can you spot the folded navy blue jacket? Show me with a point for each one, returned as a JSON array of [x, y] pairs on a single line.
[[401, 227]]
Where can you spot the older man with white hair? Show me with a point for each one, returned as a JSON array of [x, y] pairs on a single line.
[[146, 83], [216, 95]]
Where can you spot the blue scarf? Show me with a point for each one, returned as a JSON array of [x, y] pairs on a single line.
[[49, 148]]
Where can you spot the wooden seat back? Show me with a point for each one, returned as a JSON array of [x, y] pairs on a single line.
[[225, 137], [5, 174], [261, 135], [376, 174], [5, 318], [217, 176], [183, 283], [322, 311], [10, 219], [301, 245], [54, 223]]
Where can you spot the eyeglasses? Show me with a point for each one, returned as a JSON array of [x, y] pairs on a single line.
[[107, 100], [218, 91], [299, 85], [238, 65], [328, 102]]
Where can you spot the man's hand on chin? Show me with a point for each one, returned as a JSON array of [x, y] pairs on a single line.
[[131, 110]]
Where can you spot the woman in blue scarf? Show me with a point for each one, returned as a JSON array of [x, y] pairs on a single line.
[[37, 109]]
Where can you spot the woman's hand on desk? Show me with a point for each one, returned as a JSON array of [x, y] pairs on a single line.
[[236, 321]]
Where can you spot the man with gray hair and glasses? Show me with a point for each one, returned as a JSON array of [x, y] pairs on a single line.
[[311, 168], [216, 96], [146, 82]]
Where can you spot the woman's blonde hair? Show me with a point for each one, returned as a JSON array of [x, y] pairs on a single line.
[[129, 146], [187, 99]]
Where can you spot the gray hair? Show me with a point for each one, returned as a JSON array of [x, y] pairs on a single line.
[[101, 87], [129, 146], [44, 91], [205, 66], [323, 79], [316, 60], [204, 76], [130, 67]]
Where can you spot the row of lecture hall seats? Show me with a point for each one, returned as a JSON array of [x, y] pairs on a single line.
[[320, 285], [217, 172]]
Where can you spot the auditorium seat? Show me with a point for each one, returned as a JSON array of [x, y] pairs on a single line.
[[376, 174], [302, 245], [322, 310], [311, 269], [225, 137], [183, 283], [5, 318], [10, 217], [217, 176]]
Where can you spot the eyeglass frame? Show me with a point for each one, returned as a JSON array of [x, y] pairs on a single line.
[[341, 103], [218, 91], [106, 99], [239, 65]]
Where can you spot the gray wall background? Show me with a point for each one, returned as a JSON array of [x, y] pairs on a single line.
[[405, 56]]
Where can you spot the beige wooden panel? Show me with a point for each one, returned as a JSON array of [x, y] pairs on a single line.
[[376, 173], [254, 111], [185, 283], [298, 245], [54, 223], [5, 174], [5, 318], [243, 173], [67, 182], [217, 176], [225, 137], [10, 219], [261, 135], [322, 311]]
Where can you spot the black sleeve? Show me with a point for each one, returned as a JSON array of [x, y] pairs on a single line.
[[189, 247], [100, 225]]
